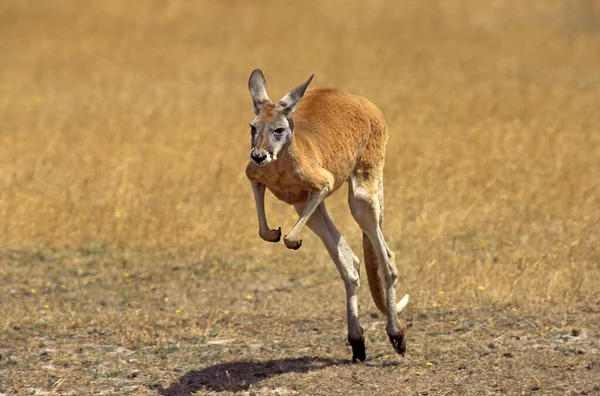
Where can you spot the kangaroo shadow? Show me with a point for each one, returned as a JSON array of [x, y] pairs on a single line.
[[238, 376]]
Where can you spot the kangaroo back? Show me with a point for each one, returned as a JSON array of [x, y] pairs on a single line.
[[339, 129]]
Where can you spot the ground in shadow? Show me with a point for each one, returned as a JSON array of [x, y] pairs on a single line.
[[238, 376]]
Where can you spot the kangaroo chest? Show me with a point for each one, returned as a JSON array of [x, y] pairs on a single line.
[[290, 194], [285, 183]]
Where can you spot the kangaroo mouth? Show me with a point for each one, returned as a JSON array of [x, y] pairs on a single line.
[[262, 159]]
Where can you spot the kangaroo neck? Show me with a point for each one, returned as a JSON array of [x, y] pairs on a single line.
[[289, 154]]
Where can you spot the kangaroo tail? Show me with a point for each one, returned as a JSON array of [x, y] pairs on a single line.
[[372, 267]]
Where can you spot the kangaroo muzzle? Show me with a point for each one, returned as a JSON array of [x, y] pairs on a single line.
[[260, 157]]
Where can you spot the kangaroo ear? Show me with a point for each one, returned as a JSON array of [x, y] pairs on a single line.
[[288, 103], [257, 85]]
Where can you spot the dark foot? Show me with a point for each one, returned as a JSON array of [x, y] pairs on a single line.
[[271, 235], [278, 235], [398, 342], [292, 244], [358, 350]]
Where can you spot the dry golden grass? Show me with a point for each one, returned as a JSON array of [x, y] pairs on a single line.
[[126, 220]]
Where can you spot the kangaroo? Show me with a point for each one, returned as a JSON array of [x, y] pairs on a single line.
[[304, 147]]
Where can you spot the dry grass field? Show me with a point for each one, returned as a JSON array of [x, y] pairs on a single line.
[[130, 261]]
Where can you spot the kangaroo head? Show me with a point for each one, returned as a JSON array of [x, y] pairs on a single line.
[[272, 129]]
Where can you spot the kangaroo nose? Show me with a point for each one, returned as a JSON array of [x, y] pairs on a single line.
[[258, 158]]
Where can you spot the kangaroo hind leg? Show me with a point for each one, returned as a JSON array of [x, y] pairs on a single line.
[[364, 199], [347, 264]]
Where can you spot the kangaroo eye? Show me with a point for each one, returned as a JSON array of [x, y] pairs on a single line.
[[279, 130]]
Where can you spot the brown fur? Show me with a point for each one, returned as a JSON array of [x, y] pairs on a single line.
[[371, 267], [336, 133], [325, 149]]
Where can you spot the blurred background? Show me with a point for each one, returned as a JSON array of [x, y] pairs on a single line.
[[126, 122], [124, 134]]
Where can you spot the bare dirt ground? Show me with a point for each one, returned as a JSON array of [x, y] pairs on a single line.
[[130, 261]]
